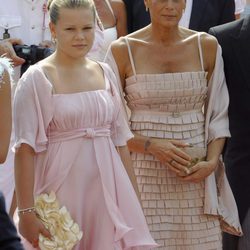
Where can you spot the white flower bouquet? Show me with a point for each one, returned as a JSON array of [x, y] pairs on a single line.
[[65, 232]]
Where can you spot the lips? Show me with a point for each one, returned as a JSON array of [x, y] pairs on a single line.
[[79, 46]]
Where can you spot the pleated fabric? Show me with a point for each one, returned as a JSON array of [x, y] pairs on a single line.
[[170, 106]]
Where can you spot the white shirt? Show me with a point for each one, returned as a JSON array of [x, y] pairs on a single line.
[[239, 6], [25, 19], [185, 19]]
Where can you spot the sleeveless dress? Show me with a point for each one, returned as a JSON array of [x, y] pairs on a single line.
[[103, 39], [169, 105], [74, 137]]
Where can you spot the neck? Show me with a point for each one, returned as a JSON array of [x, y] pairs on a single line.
[[165, 35], [67, 61]]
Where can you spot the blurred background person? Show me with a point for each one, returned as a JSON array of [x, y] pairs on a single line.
[[111, 24], [239, 8], [21, 22], [166, 96], [137, 16], [234, 39], [199, 15], [247, 8], [8, 235]]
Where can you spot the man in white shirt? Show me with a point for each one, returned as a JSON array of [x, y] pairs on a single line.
[[26, 22]]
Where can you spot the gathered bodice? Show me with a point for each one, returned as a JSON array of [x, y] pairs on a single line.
[[90, 109]]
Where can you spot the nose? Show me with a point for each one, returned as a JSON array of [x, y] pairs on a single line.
[[168, 3], [80, 35]]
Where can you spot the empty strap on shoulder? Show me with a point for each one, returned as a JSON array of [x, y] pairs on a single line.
[[200, 50], [130, 56]]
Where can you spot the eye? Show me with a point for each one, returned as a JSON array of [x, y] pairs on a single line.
[[70, 29], [87, 28]]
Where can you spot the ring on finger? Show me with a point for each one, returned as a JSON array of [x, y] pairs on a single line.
[[35, 242], [171, 162]]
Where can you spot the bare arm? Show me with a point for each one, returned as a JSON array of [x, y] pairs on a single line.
[[119, 9], [29, 225], [5, 114], [204, 168]]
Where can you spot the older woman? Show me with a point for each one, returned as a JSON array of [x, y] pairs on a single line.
[[169, 76]]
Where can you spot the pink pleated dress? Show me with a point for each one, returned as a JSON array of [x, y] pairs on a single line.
[[169, 106], [74, 136]]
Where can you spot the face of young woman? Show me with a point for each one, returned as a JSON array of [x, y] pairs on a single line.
[[166, 12], [74, 31]]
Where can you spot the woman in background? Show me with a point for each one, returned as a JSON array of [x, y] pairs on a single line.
[[112, 25]]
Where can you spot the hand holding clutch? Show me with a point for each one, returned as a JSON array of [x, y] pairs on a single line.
[[65, 232]]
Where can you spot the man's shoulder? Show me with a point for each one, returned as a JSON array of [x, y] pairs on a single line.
[[228, 28]]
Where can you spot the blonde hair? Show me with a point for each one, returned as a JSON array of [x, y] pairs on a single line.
[[54, 7]]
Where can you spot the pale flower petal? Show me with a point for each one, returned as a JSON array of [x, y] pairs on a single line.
[[65, 232]]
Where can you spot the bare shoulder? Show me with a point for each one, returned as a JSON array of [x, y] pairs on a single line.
[[135, 40], [118, 4], [209, 46], [119, 46], [209, 43], [118, 7], [47, 64]]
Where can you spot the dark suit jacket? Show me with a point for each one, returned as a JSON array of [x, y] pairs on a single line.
[[137, 16], [234, 38], [205, 14], [208, 13], [8, 235]]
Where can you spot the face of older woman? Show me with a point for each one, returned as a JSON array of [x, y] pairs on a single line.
[[165, 12]]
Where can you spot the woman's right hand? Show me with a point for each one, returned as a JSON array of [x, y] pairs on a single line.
[[170, 154], [30, 227]]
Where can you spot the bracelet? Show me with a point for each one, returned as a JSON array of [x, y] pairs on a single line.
[[26, 210], [147, 144]]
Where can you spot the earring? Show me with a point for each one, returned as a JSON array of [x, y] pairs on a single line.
[[54, 40], [146, 8]]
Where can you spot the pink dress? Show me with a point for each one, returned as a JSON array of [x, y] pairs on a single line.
[[181, 215], [74, 136]]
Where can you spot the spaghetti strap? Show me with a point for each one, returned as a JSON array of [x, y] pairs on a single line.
[[130, 56], [200, 51], [111, 10]]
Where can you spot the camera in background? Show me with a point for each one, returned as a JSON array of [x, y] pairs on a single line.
[[31, 54]]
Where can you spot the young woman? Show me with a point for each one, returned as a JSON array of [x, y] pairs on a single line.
[[68, 124], [168, 74]]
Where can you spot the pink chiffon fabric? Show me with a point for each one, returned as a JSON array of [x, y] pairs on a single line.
[[74, 137]]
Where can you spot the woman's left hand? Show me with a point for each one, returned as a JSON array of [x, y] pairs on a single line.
[[200, 171]]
